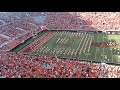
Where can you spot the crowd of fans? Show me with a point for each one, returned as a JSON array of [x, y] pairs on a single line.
[[26, 24], [83, 20], [18, 31], [2, 22], [17, 41], [71, 20], [14, 65], [2, 40], [13, 16], [20, 26]]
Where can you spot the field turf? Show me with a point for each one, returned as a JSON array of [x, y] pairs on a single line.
[[78, 46]]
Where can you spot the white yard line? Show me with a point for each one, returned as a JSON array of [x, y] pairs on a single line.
[[83, 44], [86, 44], [89, 47], [80, 43], [96, 47], [111, 52], [112, 55], [103, 48], [90, 44]]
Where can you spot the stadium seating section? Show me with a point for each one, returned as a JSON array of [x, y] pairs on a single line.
[[16, 27]]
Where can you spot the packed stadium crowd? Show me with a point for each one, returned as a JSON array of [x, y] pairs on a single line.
[[14, 65], [2, 40], [83, 20], [20, 26], [18, 31]]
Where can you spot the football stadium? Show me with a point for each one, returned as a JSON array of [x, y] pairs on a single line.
[[59, 45]]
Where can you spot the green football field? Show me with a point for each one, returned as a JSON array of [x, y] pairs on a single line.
[[78, 45]]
